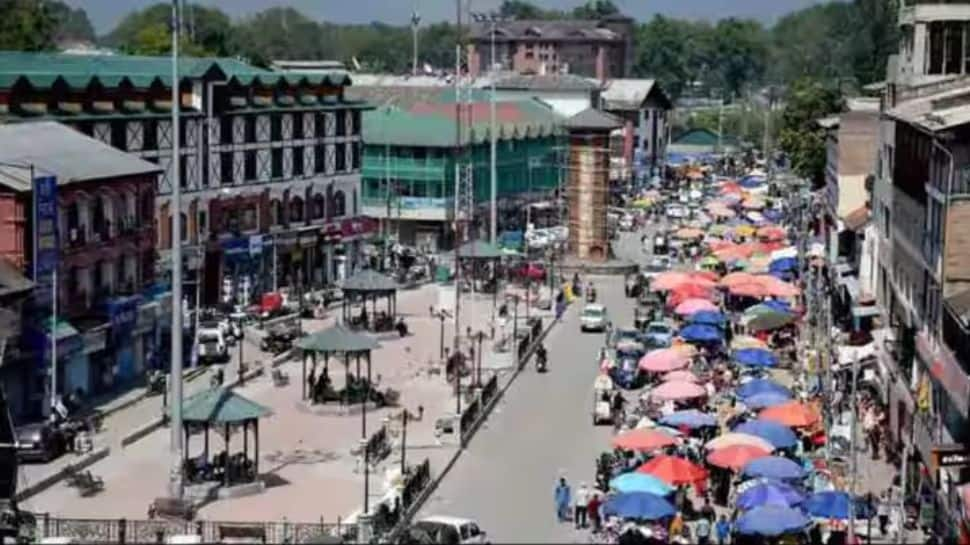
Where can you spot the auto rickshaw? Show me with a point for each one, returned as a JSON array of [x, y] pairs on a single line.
[[626, 373]]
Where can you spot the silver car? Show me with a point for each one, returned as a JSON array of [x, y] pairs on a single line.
[[593, 318]]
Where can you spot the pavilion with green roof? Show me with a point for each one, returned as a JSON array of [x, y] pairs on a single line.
[[337, 341], [368, 285], [223, 407]]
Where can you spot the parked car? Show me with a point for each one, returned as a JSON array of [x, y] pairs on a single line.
[[447, 530], [212, 344], [593, 318], [659, 335], [40, 442]]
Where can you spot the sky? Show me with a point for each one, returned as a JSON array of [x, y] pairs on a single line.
[[105, 14]]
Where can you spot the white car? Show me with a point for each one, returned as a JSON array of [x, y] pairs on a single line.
[[677, 211], [442, 529], [594, 318]]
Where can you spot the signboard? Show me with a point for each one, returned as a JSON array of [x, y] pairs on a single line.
[[45, 238], [123, 314], [416, 203], [255, 245]]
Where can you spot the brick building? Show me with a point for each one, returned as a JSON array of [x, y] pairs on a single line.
[[596, 49]]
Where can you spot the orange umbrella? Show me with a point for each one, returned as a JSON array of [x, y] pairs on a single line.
[[716, 244], [688, 233], [668, 280], [794, 414], [643, 439], [673, 470], [736, 456], [690, 290], [772, 232], [777, 287], [731, 279], [748, 289]]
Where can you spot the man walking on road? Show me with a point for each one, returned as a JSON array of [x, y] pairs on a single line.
[[580, 505], [562, 495]]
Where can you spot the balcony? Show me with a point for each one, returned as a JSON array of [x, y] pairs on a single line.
[[925, 11]]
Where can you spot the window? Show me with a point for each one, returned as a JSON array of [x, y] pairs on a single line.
[[225, 129], [339, 204], [250, 129], [354, 211], [341, 120], [225, 168], [276, 128], [355, 156], [321, 125], [275, 212], [318, 158], [184, 178], [203, 218], [296, 209], [119, 135], [249, 165], [317, 210], [356, 123], [341, 158], [150, 135], [277, 162], [297, 154]]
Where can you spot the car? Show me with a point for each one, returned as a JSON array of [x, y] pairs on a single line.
[[659, 334], [593, 318], [447, 530], [40, 442], [212, 344], [625, 334]]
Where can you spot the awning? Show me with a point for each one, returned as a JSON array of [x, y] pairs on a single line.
[[851, 285], [865, 311]]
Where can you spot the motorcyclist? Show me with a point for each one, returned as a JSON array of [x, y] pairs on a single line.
[[541, 357]]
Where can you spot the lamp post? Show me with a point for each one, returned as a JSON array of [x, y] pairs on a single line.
[[240, 369], [441, 335], [478, 364]]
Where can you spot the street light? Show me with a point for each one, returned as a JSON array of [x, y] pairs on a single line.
[[478, 364]]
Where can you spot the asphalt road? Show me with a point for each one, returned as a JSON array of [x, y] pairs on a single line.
[[541, 430]]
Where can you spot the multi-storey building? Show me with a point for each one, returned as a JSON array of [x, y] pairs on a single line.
[[270, 161], [104, 254], [410, 164], [933, 43], [644, 108], [596, 49]]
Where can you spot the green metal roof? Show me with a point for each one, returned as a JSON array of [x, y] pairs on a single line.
[[399, 127], [369, 281], [41, 70], [221, 406], [337, 339]]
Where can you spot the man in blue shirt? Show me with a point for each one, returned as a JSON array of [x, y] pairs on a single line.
[[723, 530]]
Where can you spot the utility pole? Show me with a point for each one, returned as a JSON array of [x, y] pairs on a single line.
[[767, 128], [55, 291], [493, 174], [852, 443], [415, 24], [176, 488]]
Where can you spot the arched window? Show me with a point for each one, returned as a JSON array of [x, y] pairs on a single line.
[[339, 204], [275, 212], [317, 209], [296, 209]]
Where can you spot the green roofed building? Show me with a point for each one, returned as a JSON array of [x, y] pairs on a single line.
[[415, 148]]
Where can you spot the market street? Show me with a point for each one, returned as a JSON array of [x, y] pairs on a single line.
[[541, 430]]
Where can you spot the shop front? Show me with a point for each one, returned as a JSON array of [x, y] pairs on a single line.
[[123, 315]]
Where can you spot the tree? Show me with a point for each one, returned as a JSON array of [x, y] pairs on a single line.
[[595, 9], [800, 136], [739, 53], [206, 31], [521, 9], [672, 51], [876, 37], [26, 25], [73, 25], [284, 33]]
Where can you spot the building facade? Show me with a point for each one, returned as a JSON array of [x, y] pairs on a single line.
[[596, 49], [104, 259], [410, 158], [270, 161], [933, 43], [645, 110]]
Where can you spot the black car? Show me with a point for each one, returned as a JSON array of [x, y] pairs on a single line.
[[40, 442]]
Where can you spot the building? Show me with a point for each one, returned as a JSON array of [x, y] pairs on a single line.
[[566, 94], [595, 49], [933, 41], [703, 142], [416, 148], [104, 257], [645, 109], [270, 160]]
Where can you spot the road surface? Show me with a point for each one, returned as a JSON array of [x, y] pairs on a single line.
[[541, 430]]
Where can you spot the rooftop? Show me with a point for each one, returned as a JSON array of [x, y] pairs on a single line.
[[543, 82], [581, 30], [65, 153], [936, 112], [593, 119], [42, 70], [630, 94]]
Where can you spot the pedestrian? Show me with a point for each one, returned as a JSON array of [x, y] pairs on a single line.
[[593, 511], [723, 530], [676, 525], [882, 510], [561, 496], [581, 505], [702, 531], [707, 511]]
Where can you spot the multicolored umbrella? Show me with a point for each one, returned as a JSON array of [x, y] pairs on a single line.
[[749, 289], [769, 492], [729, 439], [691, 418], [736, 457], [755, 357], [664, 360], [795, 414], [677, 390], [643, 439], [694, 305]]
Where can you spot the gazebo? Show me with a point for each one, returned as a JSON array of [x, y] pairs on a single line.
[[478, 252], [223, 407], [335, 341], [368, 285]]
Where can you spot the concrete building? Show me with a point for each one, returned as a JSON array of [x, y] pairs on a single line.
[[104, 256], [934, 40], [645, 109], [270, 160], [596, 49], [410, 163]]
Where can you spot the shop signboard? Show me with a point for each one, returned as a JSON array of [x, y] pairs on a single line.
[[349, 229], [45, 238], [255, 245], [947, 372], [419, 203], [954, 455], [123, 314]]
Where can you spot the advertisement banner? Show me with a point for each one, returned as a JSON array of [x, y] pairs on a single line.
[[418, 203], [45, 238], [123, 313]]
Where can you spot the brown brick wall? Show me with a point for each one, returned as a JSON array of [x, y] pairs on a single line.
[[957, 252]]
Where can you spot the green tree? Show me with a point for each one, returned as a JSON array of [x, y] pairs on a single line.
[[282, 33], [205, 31], [595, 9], [738, 53], [672, 51], [800, 136], [27, 25], [73, 25], [521, 9], [875, 39]]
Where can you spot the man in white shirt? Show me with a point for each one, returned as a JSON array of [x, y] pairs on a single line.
[[580, 504]]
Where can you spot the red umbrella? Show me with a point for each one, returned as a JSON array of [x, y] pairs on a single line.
[[749, 289], [643, 439], [735, 456], [690, 290], [794, 414], [771, 233], [676, 471]]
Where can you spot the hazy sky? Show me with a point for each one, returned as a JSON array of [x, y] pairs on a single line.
[[104, 14]]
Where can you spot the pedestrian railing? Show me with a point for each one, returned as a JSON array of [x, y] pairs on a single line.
[[144, 531], [489, 390], [415, 482]]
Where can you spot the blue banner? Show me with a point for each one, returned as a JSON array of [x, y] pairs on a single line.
[[123, 313], [416, 203], [45, 238]]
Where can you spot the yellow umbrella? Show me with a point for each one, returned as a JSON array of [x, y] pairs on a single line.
[[745, 230], [688, 350], [747, 341], [718, 229]]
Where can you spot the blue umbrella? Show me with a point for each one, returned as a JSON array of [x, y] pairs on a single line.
[[755, 357], [779, 435], [834, 504], [783, 264], [769, 493], [692, 418], [707, 317], [699, 333], [766, 399], [761, 386], [773, 467], [640, 482], [639, 505], [751, 181], [773, 214], [772, 520]]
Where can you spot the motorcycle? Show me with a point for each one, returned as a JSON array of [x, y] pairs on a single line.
[[541, 360], [401, 327]]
